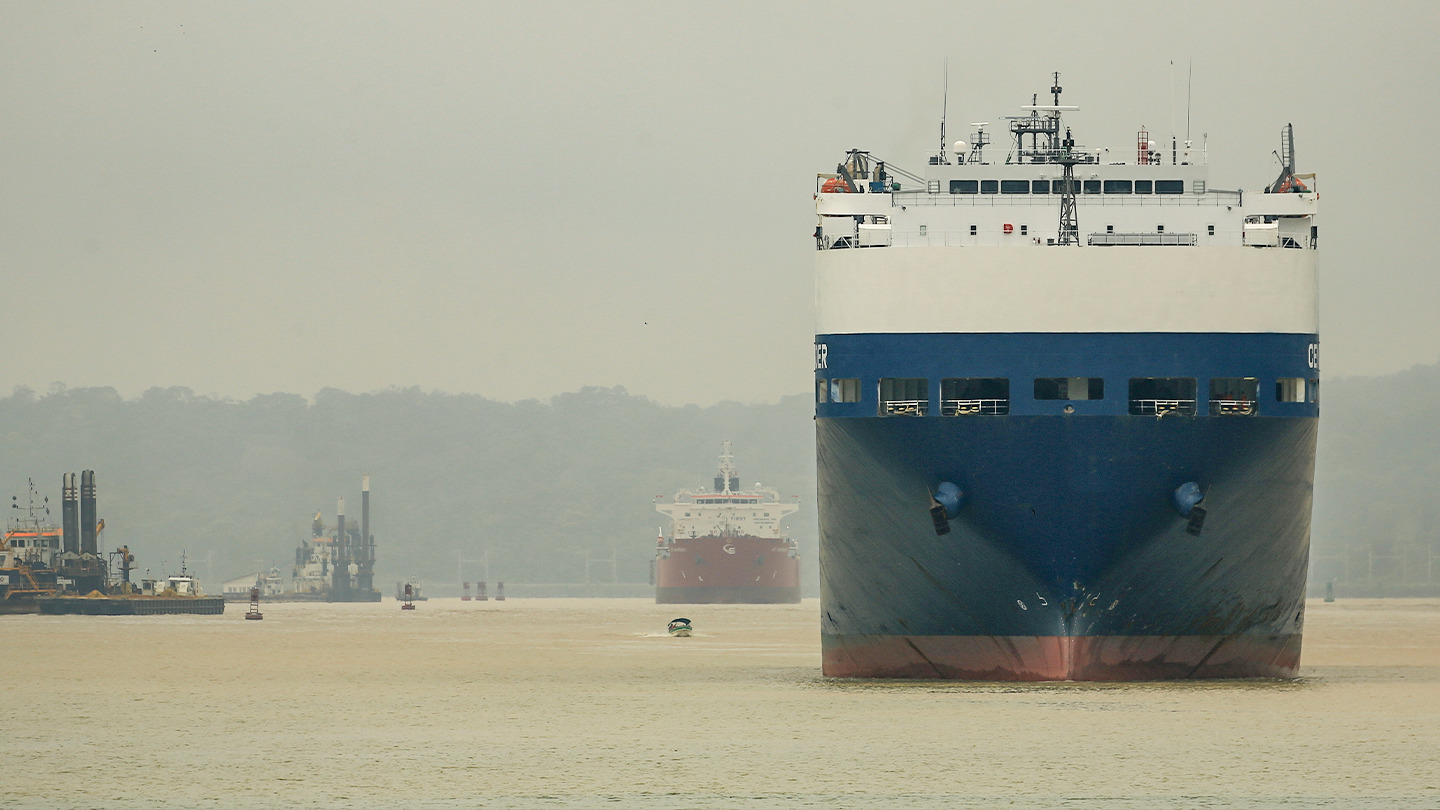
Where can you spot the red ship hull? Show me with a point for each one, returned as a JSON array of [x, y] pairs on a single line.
[[727, 570]]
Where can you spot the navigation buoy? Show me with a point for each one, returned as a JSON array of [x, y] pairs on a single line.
[[254, 611]]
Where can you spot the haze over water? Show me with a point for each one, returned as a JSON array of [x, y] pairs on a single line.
[[586, 703]]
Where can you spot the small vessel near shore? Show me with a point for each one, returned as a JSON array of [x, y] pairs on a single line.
[[62, 570], [726, 545]]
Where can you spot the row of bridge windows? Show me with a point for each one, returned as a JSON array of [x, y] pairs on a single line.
[[1148, 396], [1058, 186]]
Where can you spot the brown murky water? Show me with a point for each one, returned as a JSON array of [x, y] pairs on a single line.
[[587, 703]]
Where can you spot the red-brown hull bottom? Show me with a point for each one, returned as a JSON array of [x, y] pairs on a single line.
[[721, 595], [1061, 658], [727, 570]]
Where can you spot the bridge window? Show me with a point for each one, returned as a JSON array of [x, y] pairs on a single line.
[[1117, 186], [1169, 186], [1158, 396], [1014, 186], [845, 390], [1290, 389], [822, 391], [1058, 186], [1092, 186], [974, 396], [904, 396], [1069, 388], [989, 186], [964, 186], [1233, 396], [1039, 186], [1143, 186]]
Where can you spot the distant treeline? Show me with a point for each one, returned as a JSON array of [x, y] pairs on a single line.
[[557, 488], [549, 489]]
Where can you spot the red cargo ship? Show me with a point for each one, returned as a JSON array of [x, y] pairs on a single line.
[[726, 545]]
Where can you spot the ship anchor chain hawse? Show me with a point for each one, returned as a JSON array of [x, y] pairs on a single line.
[[1066, 404]]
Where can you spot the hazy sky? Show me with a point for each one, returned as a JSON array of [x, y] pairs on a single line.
[[519, 199]]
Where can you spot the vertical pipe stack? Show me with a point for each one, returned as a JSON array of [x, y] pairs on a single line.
[[340, 570], [70, 511], [364, 515], [88, 543], [365, 573]]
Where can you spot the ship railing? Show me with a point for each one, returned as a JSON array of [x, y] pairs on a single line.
[[1161, 238], [1162, 407], [974, 407], [1232, 407], [1209, 199], [904, 407]]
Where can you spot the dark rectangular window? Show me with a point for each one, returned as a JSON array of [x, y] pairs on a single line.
[[974, 396], [1117, 186], [1058, 186], [822, 391], [1024, 230], [972, 230], [1014, 186], [1092, 186], [1158, 396], [904, 396], [1290, 389], [989, 186], [964, 186], [1212, 229], [1039, 186], [1169, 186], [1233, 396], [845, 390], [1069, 388], [1143, 186]]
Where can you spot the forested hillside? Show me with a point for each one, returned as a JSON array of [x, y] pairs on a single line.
[[543, 486], [546, 486]]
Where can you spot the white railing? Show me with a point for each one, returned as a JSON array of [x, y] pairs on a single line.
[[904, 407], [1161, 407], [1209, 199], [974, 407], [1232, 407]]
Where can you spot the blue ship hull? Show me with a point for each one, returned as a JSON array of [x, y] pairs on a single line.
[[1068, 558]]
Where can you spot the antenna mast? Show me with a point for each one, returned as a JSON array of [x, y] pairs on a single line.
[[944, 112]]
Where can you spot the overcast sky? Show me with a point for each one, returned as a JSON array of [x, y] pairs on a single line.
[[520, 199]]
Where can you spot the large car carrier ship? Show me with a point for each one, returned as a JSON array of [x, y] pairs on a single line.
[[726, 545], [1066, 411]]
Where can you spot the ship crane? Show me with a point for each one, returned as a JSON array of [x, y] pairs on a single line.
[[1288, 182]]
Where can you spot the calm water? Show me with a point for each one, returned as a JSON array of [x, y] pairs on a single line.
[[586, 703]]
